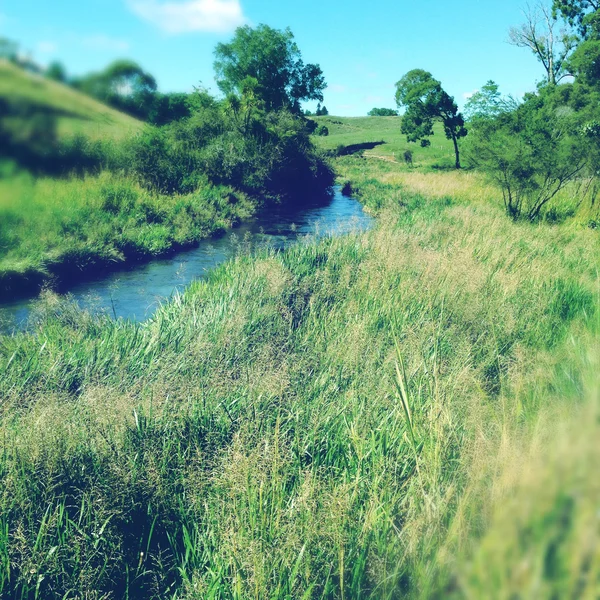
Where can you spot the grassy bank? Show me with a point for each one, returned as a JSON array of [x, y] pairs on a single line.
[[54, 230], [74, 204], [386, 139], [409, 412]]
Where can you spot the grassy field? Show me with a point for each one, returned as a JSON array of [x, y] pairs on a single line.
[[410, 412], [75, 112], [348, 131]]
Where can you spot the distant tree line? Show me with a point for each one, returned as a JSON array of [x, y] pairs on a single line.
[[382, 112]]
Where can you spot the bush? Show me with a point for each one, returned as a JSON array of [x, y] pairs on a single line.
[[322, 131], [531, 154]]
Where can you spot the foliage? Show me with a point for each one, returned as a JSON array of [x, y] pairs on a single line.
[[488, 103], [321, 110], [57, 72], [531, 153], [322, 130], [268, 62], [579, 13], [424, 101], [382, 112], [123, 85]]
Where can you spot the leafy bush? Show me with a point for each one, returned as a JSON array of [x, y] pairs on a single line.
[[531, 153]]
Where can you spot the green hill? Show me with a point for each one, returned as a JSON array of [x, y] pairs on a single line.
[[74, 112], [385, 132]]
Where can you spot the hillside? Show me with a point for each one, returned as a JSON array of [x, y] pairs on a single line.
[[385, 132], [75, 112]]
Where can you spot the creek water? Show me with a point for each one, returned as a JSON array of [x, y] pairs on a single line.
[[137, 290]]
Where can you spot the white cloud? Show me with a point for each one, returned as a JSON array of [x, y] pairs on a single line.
[[191, 15], [374, 99], [336, 88], [105, 42], [46, 47], [467, 95]]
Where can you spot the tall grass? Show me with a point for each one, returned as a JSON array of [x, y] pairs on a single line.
[[358, 417], [52, 228]]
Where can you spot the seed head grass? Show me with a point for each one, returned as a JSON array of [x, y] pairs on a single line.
[[406, 412]]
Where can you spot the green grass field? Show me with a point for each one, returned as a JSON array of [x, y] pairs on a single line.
[[410, 412], [75, 112], [348, 131]]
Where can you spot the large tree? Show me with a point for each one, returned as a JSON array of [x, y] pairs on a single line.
[[550, 43], [268, 62], [424, 102]]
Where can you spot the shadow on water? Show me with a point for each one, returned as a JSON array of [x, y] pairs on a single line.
[[136, 292]]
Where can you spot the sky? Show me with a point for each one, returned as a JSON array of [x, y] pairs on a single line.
[[362, 47]]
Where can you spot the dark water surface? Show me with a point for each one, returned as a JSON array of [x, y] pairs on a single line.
[[136, 291]]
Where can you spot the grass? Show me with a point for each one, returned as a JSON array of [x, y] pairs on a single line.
[[75, 112], [348, 131], [58, 229], [408, 412]]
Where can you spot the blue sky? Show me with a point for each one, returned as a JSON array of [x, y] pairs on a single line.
[[362, 47]]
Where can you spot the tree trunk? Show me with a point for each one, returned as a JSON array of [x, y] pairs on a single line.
[[456, 153]]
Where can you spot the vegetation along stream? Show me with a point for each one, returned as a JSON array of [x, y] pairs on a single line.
[[136, 292]]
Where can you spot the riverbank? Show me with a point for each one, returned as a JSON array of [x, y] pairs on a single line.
[[135, 292], [384, 411], [59, 231]]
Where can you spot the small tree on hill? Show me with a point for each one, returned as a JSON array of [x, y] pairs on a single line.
[[424, 102], [56, 71]]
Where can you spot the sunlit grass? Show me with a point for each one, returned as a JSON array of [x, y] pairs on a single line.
[[256, 438], [75, 112], [52, 225]]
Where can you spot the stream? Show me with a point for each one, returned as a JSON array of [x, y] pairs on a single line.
[[135, 291]]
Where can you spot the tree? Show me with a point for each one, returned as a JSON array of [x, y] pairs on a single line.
[[488, 103], [124, 85], [382, 112], [550, 45], [425, 101], [56, 71], [578, 13], [270, 62], [9, 49], [484, 103], [532, 152]]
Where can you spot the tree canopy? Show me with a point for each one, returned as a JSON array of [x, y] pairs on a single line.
[[424, 102], [382, 112], [123, 84], [551, 45], [578, 13], [268, 62]]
